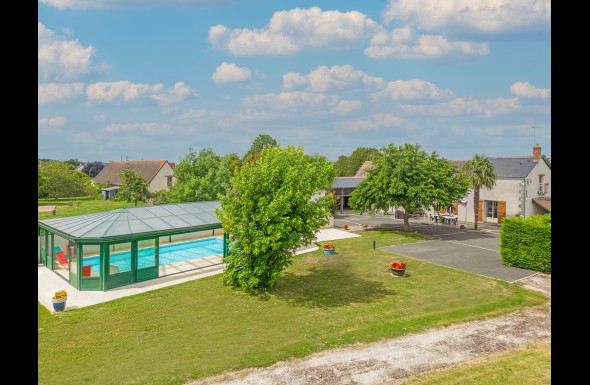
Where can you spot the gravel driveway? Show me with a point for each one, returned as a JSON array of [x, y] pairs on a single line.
[[393, 361]]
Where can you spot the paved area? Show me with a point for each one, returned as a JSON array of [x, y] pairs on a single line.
[[465, 249], [48, 282], [45, 209]]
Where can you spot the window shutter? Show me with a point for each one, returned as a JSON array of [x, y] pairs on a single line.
[[455, 209], [501, 211], [480, 211]]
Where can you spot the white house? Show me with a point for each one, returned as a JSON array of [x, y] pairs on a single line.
[[523, 188]]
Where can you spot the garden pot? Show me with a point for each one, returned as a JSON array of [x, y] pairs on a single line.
[[398, 272], [329, 251], [59, 304]]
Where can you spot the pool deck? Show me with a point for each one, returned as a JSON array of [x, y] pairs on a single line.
[[48, 282]]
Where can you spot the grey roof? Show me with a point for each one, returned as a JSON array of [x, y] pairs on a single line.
[[138, 220], [517, 167], [347, 182]]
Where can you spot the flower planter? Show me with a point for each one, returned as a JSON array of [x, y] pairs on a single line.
[[329, 251], [59, 304], [398, 272]]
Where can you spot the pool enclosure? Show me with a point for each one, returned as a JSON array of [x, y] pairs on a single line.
[[106, 250]]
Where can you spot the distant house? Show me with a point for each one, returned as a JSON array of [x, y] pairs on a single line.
[[522, 189], [158, 174]]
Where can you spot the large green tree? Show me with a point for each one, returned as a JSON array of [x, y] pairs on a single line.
[[196, 177], [258, 144], [349, 165], [58, 179], [271, 209], [480, 174], [408, 177], [133, 187]]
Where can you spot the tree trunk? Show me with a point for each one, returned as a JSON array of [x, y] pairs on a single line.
[[475, 207], [135, 203], [406, 221]]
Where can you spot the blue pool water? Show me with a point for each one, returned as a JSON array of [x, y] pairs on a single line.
[[176, 252]]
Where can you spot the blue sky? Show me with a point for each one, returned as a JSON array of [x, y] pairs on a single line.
[[149, 79]]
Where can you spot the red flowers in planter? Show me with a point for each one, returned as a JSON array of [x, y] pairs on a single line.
[[329, 246], [398, 265]]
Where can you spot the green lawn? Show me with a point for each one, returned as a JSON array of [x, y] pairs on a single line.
[[530, 365], [202, 328], [67, 207]]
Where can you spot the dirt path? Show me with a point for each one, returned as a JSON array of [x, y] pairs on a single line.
[[392, 361]]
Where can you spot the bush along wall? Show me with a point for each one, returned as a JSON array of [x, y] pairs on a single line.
[[526, 242]]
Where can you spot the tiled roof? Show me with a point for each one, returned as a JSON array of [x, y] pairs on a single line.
[[362, 172], [517, 167], [146, 168], [544, 202]]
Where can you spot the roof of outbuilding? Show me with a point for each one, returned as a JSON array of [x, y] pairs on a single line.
[[146, 168], [347, 182], [138, 220]]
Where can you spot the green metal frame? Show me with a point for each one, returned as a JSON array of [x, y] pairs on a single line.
[[107, 281]]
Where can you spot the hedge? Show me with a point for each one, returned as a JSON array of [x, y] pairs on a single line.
[[526, 242]]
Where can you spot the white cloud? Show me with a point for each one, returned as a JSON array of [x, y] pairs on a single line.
[[460, 106], [194, 114], [120, 91], [346, 106], [489, 17], [176, 94], [230, 73], [60, 59], [115, 4], [58, 92], [295, 30], [424, 47], [373, 121], [337, 77], [144, 128], [293, 101], [52, 122], [526, 90], [411, 89]]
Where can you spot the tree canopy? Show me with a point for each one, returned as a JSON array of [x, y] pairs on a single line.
[[348, 166], [480, 173], [133, 187], [92, 168], [59, 179], [258, 144], [196, 177], [270, 209], [405, 176]]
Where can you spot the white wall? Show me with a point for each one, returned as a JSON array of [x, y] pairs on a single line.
[[509, 190], [160, 182], [532, 189]]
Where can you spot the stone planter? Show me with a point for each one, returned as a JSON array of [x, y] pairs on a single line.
[[398, 272], [59, 304]]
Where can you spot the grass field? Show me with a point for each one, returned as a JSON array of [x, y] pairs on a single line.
[[530, 365], [67, 207], [202, 328]]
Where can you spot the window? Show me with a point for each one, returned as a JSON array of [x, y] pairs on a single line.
[[543, 187], [492, 209], [168, 181]]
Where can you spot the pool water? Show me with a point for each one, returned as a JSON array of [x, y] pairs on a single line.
[[169, 253]]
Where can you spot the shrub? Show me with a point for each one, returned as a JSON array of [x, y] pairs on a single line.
[[526, 242]]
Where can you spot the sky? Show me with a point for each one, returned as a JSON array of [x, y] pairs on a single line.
[[152, 79]]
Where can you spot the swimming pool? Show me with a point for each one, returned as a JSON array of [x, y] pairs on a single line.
[[169, 253]]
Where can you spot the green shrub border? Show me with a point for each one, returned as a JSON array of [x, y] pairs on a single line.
[[526, 242]]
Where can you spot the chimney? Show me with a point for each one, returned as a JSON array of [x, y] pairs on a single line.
[[536, 152]]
